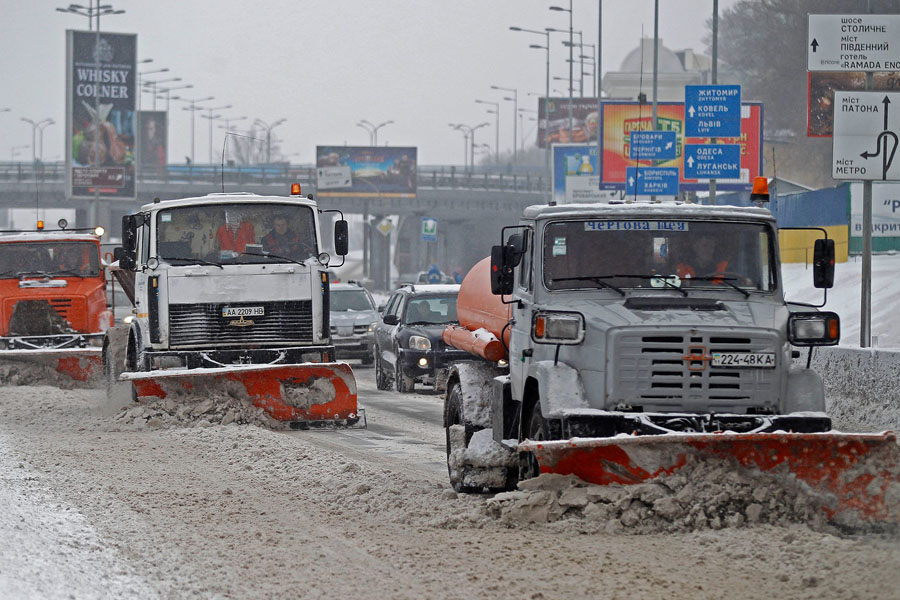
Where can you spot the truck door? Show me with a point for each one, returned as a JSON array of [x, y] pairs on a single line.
[[520, 332]]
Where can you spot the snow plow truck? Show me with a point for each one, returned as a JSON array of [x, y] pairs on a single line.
[[53, 306], [620, 342], [230, 295]]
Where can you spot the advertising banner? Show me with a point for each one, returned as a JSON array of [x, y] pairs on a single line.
[[100, 114], [885, 210], [153, 142], [386, 171], [619, 119], [820, 89], [575, 175], [553, 121]]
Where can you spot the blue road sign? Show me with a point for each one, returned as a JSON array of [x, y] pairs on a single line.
[[651, 181], [712, 161], [712, 110], [652, 145], [429, 229]]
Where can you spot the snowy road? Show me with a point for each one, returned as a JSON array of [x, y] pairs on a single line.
[[97, 509]]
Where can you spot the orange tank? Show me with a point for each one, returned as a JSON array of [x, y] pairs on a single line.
[[477, 308]]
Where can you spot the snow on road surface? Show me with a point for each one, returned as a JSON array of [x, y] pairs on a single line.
[[241, 511]]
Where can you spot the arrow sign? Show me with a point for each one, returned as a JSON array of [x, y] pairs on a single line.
[[713, 110], [712, 161], [866, 136], [853, 43], [652, 145], [814, 45], [652, 181]]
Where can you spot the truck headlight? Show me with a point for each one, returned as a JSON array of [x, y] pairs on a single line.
[[814, 329], [417, 342], [557, 327]]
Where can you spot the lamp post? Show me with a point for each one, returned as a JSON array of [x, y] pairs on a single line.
[[91, 12], [209, 116], [465, 133], [47, 123], [150, 86], [571, 41], [375, 129], [168, 91], [35, 125], [192, 106], [269, 129], [515, 101], [522, 112], [496, 106], [471, 135], [364, 125], [227, 124]]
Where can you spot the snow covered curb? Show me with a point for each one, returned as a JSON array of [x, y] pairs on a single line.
[[862, 385]]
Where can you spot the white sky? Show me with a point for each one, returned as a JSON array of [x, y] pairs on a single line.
[[326, 64]]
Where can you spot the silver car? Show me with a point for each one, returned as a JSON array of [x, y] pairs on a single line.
[[353, 317]]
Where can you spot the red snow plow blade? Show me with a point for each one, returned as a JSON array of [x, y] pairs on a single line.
[[855, 477], [305, 394], [83, 366]]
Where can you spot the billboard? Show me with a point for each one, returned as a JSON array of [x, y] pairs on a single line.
[[553, 121], [885, 209], [386, 171], [619, 119], [153, 143], [575, 174], [820, 89], [100, 110]]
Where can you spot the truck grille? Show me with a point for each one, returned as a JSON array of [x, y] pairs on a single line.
[[650, 369], [62, 306], [203, 324]]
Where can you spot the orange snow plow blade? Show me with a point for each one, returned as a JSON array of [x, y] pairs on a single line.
[[82, 367], [303, 394], [855, 477]]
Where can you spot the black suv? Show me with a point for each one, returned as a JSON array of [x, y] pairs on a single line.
[[408, 344]]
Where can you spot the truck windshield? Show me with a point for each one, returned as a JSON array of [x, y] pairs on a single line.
[[658, 254], [236, 233], [62, 259]]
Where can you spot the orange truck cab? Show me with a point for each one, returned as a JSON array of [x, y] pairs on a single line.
[[52, 291]]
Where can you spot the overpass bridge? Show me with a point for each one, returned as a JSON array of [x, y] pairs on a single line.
[[471, 206]]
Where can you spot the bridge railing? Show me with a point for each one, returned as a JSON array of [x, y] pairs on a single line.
[[521, 179]]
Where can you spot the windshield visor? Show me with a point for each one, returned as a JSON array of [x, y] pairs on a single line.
[[58, 259], [236, 233], [658, 254]]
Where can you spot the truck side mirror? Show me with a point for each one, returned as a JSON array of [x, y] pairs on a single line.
[[502, 270], [129, 233], [126, 261], [823, 263], [341, 238], [516, 244]]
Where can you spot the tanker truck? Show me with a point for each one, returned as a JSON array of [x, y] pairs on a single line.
[[618, 340]]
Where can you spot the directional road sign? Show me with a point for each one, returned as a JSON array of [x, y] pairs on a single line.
[[652, 145], [853, 43], [429, 229], [328, 178], [712, 110], [866, 135], [712, 161], [651, 181]]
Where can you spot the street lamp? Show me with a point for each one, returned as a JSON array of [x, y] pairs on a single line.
[[465, 133], [496, 106], [193, 108], [515, 101], [471, 135], [571, 41], [522, 112], [364, 125], [47, 123], [375, 129], [90, 12], [34, 128], [168, 91], [269, 129], [209, 115]]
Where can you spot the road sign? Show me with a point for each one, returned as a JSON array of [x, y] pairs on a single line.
[[652, 145], [385, 226], [651, 181], [853, 43], [329, 178], [712, 110], [712, 161], [434, 274], [866, 128], [429, 229]]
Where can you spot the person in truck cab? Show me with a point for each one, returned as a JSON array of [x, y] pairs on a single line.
[[235, 233], [704, 259], [281, 241]]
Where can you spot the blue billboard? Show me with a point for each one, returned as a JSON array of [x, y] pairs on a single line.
[[387, 171]]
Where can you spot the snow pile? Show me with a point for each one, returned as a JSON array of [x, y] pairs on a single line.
[[20, 372], [483, 463], [702, 495], [155, 413]]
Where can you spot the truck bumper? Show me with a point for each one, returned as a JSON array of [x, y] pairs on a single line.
[[612, 424]]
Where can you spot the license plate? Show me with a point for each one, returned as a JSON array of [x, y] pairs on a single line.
[[758, 360], [243, 311]]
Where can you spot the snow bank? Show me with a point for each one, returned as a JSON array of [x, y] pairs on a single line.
[[211, 410]]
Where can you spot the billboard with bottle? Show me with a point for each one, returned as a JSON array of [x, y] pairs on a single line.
[[575, 174]]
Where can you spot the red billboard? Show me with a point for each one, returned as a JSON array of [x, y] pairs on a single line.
[[619, 119]]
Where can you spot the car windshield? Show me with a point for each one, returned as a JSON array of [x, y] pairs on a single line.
[[236, 233], [436, 310], [345, 300], [659, 254], [63, 259]]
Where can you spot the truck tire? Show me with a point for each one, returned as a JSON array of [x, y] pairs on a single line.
[[535, 429]]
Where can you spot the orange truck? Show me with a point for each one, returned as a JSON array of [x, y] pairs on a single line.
[[53, 306]]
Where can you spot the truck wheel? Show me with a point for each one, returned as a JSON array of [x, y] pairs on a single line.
[[405, 384], [535, 430], [382, 381], [453, 416]]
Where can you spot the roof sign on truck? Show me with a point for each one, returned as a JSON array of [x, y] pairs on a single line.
[[635, 226]]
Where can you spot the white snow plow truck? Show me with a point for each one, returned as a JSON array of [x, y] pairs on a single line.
[[620, 342], [230, 295]]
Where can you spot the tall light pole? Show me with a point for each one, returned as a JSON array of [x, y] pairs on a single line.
[[571, 41], [35, 125], [365, 125], [471, 135], [465, 133], [209, 115], [515, 101], [269, 129], [375, 129], [192, 106], [227, 124], [91, 12], [168, 91], [496, 106], [47, 123], [522, 112]]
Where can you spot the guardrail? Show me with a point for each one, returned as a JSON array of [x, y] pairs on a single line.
[[521, 179]]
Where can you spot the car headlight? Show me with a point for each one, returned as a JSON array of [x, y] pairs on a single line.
[[417, 342], [814, 329], [557, 327], [372, 326], [128, 320]]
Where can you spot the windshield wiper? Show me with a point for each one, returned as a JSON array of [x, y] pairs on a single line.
[[726, 280], [662, 278], [198, 261], [596, 279]]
